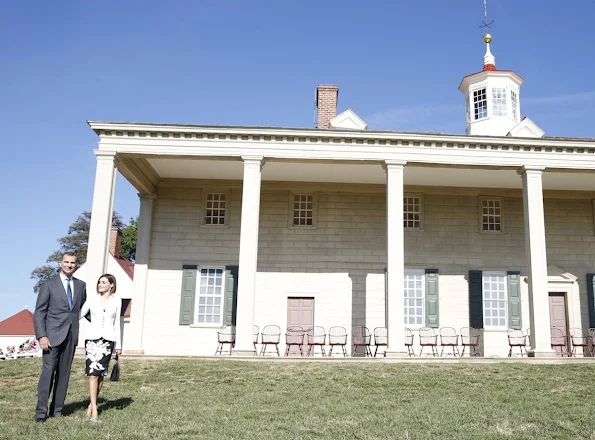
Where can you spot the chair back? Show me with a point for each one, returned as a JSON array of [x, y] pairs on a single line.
[[226, 334], [271, 334]]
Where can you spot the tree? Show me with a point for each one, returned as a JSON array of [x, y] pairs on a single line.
[[76, 241], [128, 243]]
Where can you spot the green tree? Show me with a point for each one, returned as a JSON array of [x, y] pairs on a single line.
[[76, 241], [128, 243]]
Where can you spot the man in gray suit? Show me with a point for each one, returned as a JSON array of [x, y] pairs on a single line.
[[56, 321]]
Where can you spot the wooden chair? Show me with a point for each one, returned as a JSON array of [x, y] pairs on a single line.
[[225, 335], [559, 341], [449, 338], [579, 339], [409, 341], [361, 337], [380, 338], [470, 338], [516, 338], [271, 335], [337, 336], [428, 338], [294, 336], [316, 338]]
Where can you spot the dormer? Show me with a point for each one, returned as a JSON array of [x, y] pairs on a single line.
[[348, 120], [527, 129], [492, 98]]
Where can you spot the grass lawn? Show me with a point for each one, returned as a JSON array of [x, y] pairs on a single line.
[[198, 399]]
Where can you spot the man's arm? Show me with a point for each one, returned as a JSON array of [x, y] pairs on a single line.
[[40, 315]]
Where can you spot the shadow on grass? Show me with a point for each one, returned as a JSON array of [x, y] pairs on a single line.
[[102, 405], [115, 404]]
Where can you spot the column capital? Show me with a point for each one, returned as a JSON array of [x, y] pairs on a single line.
[[106, 155], [393, 163], [530, 169], [147, 196], [253, 159]]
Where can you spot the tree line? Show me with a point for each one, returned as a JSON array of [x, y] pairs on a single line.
[[77, 241]]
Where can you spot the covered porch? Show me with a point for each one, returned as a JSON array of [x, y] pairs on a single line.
[[355, 255]]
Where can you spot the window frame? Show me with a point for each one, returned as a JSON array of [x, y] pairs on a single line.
[[197, 296], [421, 210], [203, 211], [483, 300], [481, 200], [291, 218], [500, 104], [514, 104], [477, 114], [423, 299]]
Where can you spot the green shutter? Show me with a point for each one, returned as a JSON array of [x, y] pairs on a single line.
[[475, 299], [230, 299], [432, 298], [514, 300], [188, 293], [591, 296]]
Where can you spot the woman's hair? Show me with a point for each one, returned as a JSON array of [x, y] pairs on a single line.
[[112, 281]]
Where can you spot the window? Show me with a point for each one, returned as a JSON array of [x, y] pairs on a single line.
[[126, 307], [216, 209], [495, 300], [303, 210], [412, 212], [210, 288], [499, 101], [490, 218], [480, 104], [413, 296], [515, 104]]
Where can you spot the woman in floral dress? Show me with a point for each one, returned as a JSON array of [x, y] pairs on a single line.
[[103, 338]]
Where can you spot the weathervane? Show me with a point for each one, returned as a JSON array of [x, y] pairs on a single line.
[[486, 24]]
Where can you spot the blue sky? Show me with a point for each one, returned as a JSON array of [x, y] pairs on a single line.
[[398, 65]]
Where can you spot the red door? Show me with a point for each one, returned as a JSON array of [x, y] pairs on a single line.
[[300, 312], [558, 315]]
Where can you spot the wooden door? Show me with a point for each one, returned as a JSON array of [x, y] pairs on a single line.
[[558, 315], [300, 311]]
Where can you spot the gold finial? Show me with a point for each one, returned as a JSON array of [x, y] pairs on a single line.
[[487, 38]]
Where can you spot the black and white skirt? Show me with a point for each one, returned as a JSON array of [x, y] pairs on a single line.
[[98, 354]]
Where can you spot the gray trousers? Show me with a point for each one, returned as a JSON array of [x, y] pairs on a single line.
[[55, 375]]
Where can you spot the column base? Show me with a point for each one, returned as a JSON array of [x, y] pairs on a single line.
[[239, 352], [541, 353], [393, 354]]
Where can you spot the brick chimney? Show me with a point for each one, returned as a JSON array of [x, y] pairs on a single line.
[[327, 96], [115, 238]]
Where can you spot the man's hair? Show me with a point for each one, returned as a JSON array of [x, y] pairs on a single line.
[[69, 254]]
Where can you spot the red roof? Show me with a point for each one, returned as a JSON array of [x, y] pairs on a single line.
[[127, 265], [20, 324]]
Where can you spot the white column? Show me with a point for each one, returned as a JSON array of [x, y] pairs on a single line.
[[395, 252], [248, 256], [101, 217], [134, 335], [539, 308]]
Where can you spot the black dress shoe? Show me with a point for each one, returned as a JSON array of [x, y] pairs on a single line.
[[39, 419]]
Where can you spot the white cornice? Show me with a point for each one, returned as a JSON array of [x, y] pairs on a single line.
[[125, 130], [148, 140]]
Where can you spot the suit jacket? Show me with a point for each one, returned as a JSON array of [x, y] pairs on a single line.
[[105, 319], [53, 318]]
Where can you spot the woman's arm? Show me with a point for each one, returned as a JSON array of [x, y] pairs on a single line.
[[85, 309]]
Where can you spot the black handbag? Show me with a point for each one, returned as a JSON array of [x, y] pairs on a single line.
[[115, 376]]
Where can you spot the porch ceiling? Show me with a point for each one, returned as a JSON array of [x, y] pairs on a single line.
[[366, 174]]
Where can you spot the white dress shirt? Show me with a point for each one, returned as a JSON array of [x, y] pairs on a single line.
[[64, 278], [105, 318]]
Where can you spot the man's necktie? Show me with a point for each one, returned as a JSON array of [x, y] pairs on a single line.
[[69, 292]]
